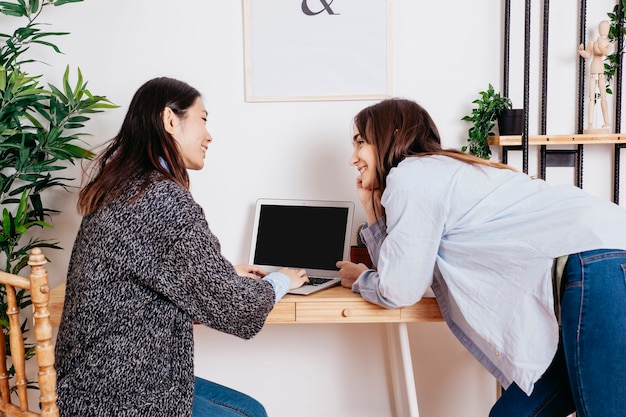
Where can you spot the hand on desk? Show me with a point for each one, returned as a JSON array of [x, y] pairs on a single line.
[[296, 276], [349, 272]]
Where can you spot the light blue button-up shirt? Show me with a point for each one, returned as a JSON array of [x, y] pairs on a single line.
[[485, 239]]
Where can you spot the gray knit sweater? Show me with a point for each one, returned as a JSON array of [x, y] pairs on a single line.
[[141, 271]]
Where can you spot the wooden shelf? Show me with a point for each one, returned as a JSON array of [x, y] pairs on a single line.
[[584, 139]]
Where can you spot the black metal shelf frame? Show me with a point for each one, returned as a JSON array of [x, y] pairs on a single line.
[[558, 157]]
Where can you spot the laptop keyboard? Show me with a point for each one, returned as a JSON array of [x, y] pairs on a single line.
[[317, 281]]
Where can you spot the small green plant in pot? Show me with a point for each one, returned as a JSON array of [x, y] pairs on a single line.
[[489, 107]]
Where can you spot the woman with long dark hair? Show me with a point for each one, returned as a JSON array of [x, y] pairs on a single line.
[[145, 266]]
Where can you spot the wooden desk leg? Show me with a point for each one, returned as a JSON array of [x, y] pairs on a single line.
[[402, 379]]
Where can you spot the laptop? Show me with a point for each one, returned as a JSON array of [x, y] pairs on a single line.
[[308, 234]]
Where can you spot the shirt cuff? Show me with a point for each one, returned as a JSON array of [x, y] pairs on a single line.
[[280, 282], [361, 280], [375, 231]]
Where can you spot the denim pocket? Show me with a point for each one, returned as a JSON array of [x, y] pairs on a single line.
[[596, 262]]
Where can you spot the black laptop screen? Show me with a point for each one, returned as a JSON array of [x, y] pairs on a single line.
[[301, 236]]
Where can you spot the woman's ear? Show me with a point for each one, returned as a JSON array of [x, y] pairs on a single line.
[[170, 120]]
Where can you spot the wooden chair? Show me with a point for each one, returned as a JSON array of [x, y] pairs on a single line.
[[37, 284]]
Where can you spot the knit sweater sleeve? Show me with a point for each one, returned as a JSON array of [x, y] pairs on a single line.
[[187, 267]]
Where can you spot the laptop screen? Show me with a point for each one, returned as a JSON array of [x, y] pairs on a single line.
[[301, 234]]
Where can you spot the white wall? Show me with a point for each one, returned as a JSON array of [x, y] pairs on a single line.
[[443, 54]]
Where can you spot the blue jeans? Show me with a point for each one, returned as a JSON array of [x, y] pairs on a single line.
[[214, 400], [588, 372]]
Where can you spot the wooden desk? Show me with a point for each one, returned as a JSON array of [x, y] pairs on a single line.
[[340, 305], [334, 305]]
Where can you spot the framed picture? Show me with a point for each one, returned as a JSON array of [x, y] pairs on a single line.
[[304, 50]]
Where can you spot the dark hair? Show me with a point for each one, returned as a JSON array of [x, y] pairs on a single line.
[[400, 128], [142, 144]]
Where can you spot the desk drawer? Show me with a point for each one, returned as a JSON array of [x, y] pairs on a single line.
[[282, 313], [347, 312]]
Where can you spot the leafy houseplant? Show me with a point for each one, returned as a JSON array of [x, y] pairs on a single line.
[[39, 135], [617, 29], [490, 106]]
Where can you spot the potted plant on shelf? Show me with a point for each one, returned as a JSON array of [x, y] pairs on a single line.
[[491, 107], [359, 253], [39, 135]]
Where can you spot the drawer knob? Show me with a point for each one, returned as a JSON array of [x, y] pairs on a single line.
[[346, 313]]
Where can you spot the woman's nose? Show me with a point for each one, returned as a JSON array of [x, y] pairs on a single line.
[[354, 158]]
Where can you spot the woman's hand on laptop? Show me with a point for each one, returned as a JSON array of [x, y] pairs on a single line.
[[349, 272], [250, 271], [297, 276]]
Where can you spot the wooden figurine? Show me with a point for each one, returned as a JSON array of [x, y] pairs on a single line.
[[598, 49]]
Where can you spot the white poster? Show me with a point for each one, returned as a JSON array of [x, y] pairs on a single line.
[[298, 50]]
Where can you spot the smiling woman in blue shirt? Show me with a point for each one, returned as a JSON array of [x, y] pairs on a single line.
[[529, 277]]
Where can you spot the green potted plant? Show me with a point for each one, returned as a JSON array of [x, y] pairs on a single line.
[[491, 107], [40, 131], [617, 29], [359, 253]]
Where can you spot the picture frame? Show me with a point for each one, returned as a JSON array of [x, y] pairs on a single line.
[[310, 50]]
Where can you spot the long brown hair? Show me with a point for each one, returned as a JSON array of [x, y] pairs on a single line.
[[400, 128], [142, 144]]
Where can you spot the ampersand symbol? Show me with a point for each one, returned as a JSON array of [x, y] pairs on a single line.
[[307, 10]]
